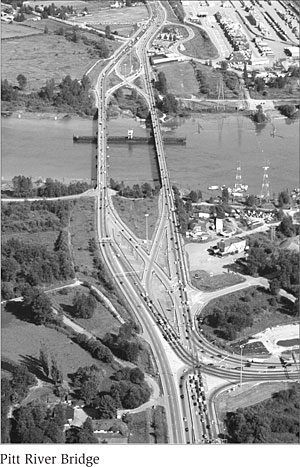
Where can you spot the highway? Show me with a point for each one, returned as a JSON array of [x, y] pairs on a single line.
[[180, 354]]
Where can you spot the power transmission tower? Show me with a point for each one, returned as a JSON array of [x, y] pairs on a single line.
[[265, 187]]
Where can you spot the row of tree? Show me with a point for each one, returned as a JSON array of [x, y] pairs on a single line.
[[125, 344], [95, 347], [137, 191]]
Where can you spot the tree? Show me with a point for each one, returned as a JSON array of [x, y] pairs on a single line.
[[107, 407], [86, 434], [46, 30], [274, 286], [194, 196], [225, 195], [56, 372], [22, 81], [161, 83], [107, 32], [84, 305], [44, 360], [41, 310], [286, 227], [283, 198], [251, 201]]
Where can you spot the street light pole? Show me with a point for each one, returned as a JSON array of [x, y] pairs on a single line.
[[147, 233]]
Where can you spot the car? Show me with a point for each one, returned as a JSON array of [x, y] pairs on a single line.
[[186, 429], [272, 366]]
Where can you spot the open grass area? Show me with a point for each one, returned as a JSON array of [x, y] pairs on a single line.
[[181, 80], [40, 58], [21, 342], [132, 212], [249, 395], [113, 16], [203, 281], [45, 56], [82, 230], [102, 320], [200, 46], [139, 427], [10, 30]]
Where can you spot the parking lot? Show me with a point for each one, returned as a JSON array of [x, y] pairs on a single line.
[[271, 17]]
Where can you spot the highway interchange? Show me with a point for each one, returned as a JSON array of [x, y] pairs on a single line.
[[183, 356]]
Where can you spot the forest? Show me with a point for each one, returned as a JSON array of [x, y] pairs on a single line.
[[273, 421], [23, 187], [32, 263]]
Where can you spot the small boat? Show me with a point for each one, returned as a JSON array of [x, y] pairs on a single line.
[[213, 187]]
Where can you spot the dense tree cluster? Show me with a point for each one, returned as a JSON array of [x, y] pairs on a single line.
[[23, 187], [128, 390], [230, 320], [33, 264], [282, 263], [83, 305], [94, 347], [288, 110], [36, 423], [125, 344], [168, 103], [133, 102], [35, 216], [137, 191], [68, 95], [82, 435], [13, 391], [273, 421]]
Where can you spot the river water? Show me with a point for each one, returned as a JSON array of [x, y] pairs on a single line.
[[215, 144]]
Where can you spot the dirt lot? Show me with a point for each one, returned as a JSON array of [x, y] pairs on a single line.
[[199, 258]]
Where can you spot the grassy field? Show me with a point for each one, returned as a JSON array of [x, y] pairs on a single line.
[[139, 427], [17, 30], [21, 342], [203, 281], [132, 212], [82, 230], [126, 15], [200, 46], [181, 79], [253, 394], [45, 56], [102, 321]]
